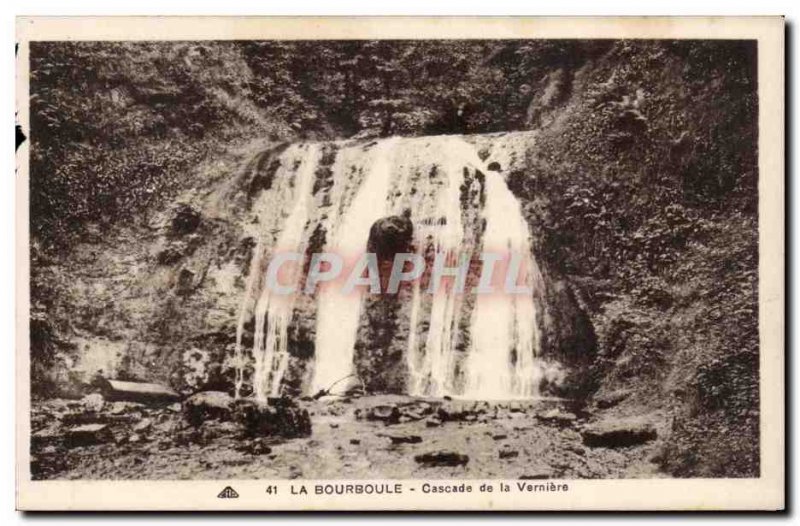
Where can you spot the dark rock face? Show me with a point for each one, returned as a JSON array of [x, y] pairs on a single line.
[[263, 168], [170, 255], [186, 220], [301, 335], [280, 417], [384, 327], [389, 236], [621, 433], [569, 339], [87, 435], [186, 282], [324, 174], [381, 344]]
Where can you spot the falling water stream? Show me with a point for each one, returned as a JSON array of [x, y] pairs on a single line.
[[338, 313], [435, 375], [502, 361], [273, 312]]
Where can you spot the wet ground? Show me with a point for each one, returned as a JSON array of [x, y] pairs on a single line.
[[362, 438]]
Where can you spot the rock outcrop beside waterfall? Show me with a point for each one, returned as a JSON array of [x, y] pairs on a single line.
[[383, 331]]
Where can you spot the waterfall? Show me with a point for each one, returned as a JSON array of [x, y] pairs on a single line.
[[501, 359], [338, 313], [501, 363], [273, 312], [477, 346], [445, 235]]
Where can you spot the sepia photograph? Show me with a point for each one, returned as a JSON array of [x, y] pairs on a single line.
[[395, 265]]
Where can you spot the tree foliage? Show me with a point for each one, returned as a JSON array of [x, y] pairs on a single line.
[[117, 127], [648, 192]]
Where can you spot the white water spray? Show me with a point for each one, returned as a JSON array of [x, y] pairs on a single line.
[[496, 357], [502, 361], [273, 312], [338, 313]]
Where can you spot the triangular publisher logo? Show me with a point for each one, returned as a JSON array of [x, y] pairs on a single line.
[[228, 493]]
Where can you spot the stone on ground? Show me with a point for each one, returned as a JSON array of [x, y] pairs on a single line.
[[618, 433], [207, 405], [557, 417], [87, 435], [537, 474], [279, 417], [442, 458]]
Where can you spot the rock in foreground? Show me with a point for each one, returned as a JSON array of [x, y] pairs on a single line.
[[208, 405], [140, 392], [442, 458], [279, 417], [87, 435], [620, 433], [557, 417]]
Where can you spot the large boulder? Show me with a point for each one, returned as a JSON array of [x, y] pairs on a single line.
[[87, 435], [207, 405], [139, 392], [384, 325], [618, 433], [390, 235], [279, 417], [185, 221]]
